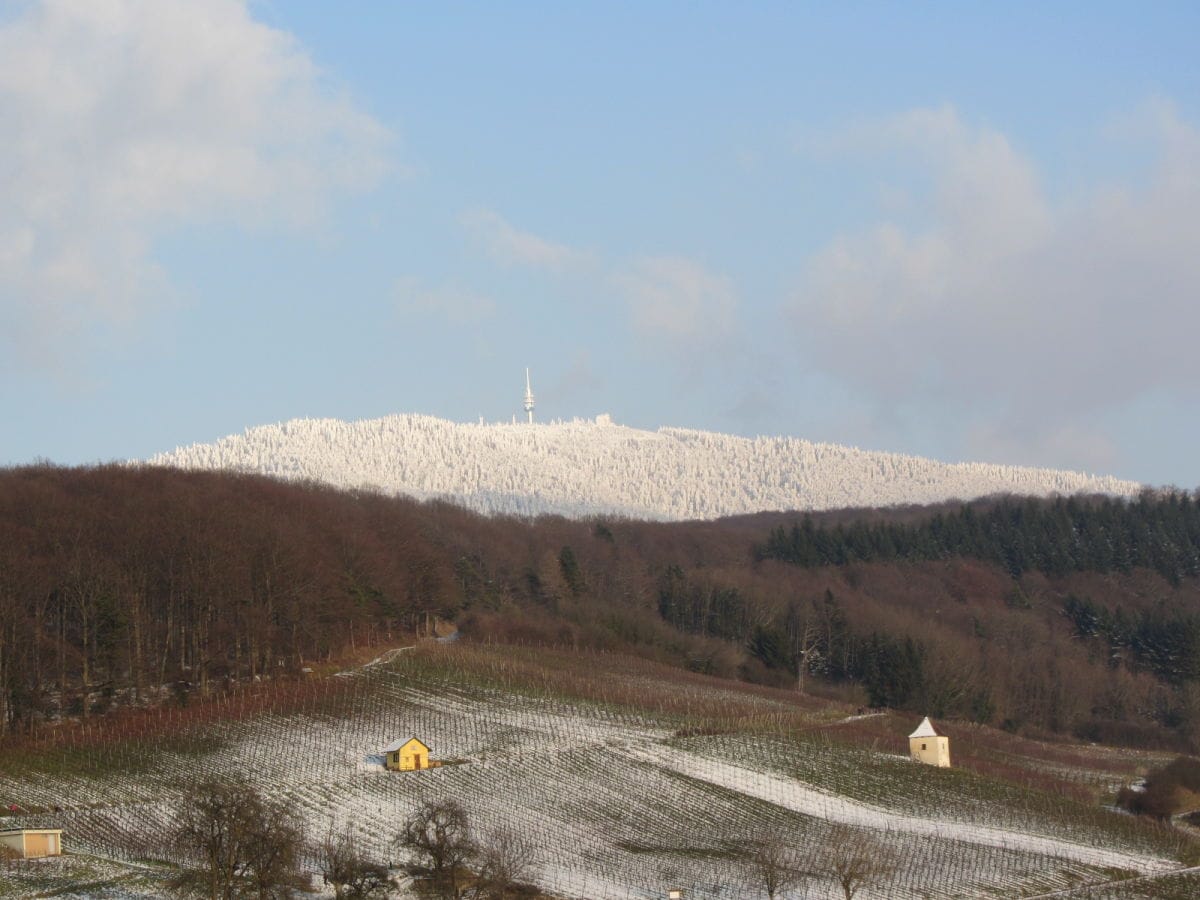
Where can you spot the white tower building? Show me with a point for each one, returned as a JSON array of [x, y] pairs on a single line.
[[528, 397]]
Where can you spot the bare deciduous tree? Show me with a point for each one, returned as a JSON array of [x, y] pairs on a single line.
[[773, 866], [439, 835], [243, 844], [505, 862], [805, 641], [272, 852], [854, 858], [351, 876]]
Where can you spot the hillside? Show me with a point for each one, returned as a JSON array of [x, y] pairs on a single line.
[[125, 587], [631, 778], [583, 468]]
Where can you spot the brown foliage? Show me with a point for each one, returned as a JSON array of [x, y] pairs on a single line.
[[125, 586]]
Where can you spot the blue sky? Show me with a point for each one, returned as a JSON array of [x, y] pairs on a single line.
[[965, 231]]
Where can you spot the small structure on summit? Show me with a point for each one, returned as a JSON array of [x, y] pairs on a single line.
[[528, 398], [407, 756], [32, 843], [927, 746]]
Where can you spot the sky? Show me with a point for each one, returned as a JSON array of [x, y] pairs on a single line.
[[963, 231]]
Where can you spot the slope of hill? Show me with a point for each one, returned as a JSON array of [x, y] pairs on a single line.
[[125, 585], [629, 778], [583, 468]]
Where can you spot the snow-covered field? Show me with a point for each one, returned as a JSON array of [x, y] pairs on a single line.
[[618, 804], [583, 468]]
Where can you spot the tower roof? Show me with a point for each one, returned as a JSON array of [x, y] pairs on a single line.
[[925, 729]]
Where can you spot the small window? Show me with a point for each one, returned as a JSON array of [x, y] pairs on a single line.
[[923, 746]]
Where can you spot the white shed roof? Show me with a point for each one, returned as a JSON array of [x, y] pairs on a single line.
[[925, 729], [396, 745], [8, 832]]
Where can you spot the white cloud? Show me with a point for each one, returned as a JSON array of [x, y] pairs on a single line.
[[678, 299], [1009, 313], [125, 117], [511, 246], [459, 305]]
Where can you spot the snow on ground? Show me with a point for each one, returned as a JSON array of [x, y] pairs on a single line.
[[583, 468], [833, 808], [616, 805]]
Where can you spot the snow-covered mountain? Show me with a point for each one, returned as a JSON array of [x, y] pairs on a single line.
[[586, 467]]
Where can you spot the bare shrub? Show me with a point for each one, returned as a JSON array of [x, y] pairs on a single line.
[[1167, 790]]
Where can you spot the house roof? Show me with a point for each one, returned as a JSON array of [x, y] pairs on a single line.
[[925, 729], [11, 831], [396, 745]]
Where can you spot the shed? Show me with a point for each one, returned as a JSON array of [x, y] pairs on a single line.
[[405, 756], [927, 746], [31, 843]]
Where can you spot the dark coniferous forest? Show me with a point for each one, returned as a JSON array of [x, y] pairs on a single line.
[[1159, 532], [128, 586]]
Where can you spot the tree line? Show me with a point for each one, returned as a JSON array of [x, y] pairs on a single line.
[[121, 585]]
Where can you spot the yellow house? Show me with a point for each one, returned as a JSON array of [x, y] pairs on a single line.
[[929, 747], [405, 756], [30, 843]]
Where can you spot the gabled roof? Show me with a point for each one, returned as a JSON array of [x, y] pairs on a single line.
[[925, 729], [396, 745]]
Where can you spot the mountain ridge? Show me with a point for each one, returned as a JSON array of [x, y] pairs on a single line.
[[589, 467]]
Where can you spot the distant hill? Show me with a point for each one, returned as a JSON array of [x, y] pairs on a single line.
[[585, 468]]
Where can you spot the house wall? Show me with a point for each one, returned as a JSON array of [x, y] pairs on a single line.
[[933, 751], [413, 755], [40, 845], [34, 844]]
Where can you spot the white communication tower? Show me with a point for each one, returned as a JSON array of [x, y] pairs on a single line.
[[528, 397]]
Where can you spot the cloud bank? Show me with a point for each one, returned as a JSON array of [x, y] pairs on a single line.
[[1018, 316], [667, 298], [127, 117]]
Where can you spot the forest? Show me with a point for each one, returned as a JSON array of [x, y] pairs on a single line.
[[591, 468], [126, 585], [1104, 534]]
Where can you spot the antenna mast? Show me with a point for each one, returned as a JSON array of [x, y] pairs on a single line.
[[528, 397]]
